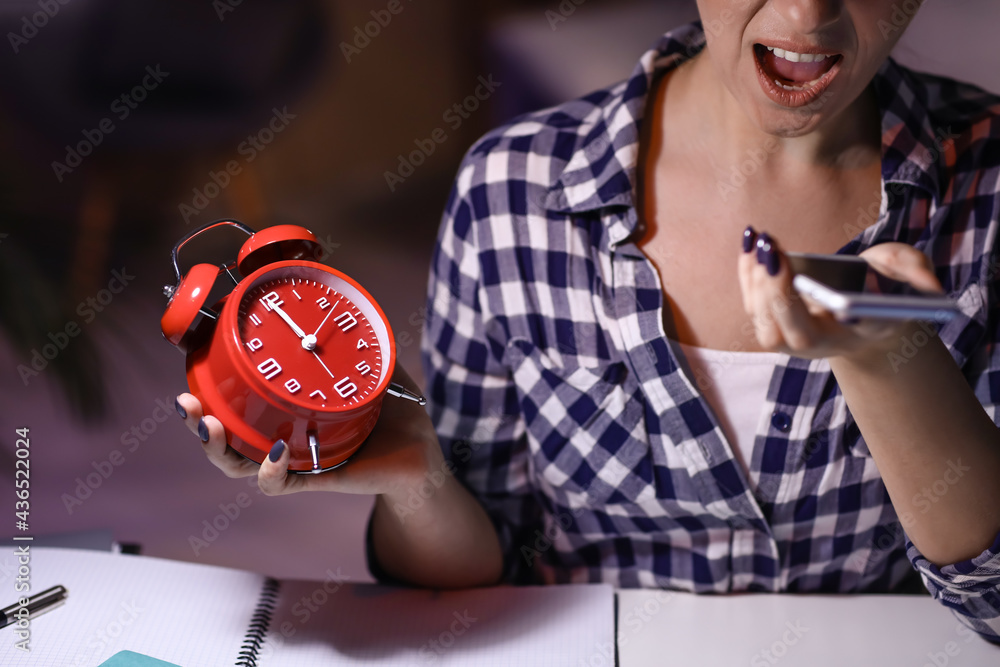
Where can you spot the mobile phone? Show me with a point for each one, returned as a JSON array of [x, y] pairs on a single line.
[[837, 282]]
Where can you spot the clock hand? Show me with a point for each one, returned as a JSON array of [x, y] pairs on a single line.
[[393, 389], [295, 327], [332, 376], [309, 342]]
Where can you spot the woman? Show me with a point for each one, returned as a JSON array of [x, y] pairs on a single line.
[[588, 286]]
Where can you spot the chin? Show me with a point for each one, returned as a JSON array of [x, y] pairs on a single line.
[[790, 128], [785, 123]]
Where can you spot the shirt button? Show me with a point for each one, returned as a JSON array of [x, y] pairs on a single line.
[[781, 421]]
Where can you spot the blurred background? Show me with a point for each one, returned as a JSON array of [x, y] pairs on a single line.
[[124, 124]]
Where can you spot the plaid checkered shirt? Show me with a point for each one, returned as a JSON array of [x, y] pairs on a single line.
[[562, 408]]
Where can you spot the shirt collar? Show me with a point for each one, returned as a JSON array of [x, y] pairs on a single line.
[[602, 171], [912, 147]]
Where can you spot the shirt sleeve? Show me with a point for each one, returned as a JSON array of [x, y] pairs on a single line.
[[971, 589], [472, 398]]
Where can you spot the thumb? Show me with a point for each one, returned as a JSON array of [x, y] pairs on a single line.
[[905, 263], [273, 478]]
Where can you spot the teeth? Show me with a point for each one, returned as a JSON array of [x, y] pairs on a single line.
[[794, 57], [803, 87]]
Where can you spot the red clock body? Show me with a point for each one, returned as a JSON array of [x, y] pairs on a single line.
[[300, 352]]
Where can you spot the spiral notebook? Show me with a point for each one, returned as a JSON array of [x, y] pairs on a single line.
[[198, 615]]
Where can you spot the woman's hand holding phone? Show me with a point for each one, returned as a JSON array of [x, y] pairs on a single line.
[[837, 283], [786, 322]]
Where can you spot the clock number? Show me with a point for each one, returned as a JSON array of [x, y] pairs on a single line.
[[345, 387], [255, 344], [362, 345], [269, 368], [270, 300], [363, 368], [292, 386], [345, 321], [317, 393], [322, 303], [255, 320]]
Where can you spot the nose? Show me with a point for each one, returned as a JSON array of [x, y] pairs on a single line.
[[809, 16]]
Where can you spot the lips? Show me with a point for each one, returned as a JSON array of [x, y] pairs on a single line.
[[794, 69], [793, 78]]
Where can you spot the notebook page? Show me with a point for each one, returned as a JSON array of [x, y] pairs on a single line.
[[665, 628], [184, 613], [331, 623]]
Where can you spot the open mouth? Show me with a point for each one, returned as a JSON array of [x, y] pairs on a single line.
[[794, 79], [794, 71]]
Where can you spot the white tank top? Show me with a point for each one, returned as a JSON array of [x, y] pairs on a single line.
[[735, 386]]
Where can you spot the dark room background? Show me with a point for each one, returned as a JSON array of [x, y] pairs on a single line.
[[120, 123]]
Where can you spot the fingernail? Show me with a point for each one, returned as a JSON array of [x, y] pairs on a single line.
[[763, 247], [180, 409], [276, 451], [203, 430], [749, 237], [773, 262]]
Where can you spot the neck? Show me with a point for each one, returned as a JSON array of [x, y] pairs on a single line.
[[849, 139]]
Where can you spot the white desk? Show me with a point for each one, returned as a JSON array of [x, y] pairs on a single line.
[[197, 616], [760, 630]]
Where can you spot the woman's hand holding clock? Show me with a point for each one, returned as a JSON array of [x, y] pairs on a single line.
[[246, 367], [256, 399], [397, 455], [449, 543]]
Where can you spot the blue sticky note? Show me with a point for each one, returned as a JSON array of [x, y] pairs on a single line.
[[133, 659]]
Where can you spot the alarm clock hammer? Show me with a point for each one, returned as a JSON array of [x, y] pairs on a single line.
[[253, 363]]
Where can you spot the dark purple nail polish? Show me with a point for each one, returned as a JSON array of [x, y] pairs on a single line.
[[749, 237], [276, 451], [203, 430], [180, 409], [764, 246], [773, 262]]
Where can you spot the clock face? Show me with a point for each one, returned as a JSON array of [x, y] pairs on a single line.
[[313, 338]]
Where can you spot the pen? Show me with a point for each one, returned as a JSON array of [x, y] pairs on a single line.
[[39, 603]]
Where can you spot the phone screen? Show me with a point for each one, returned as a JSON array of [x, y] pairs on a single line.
[[848, 274], [844, 273]]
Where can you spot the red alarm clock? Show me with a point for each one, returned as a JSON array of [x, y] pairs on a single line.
[[296, 351]]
